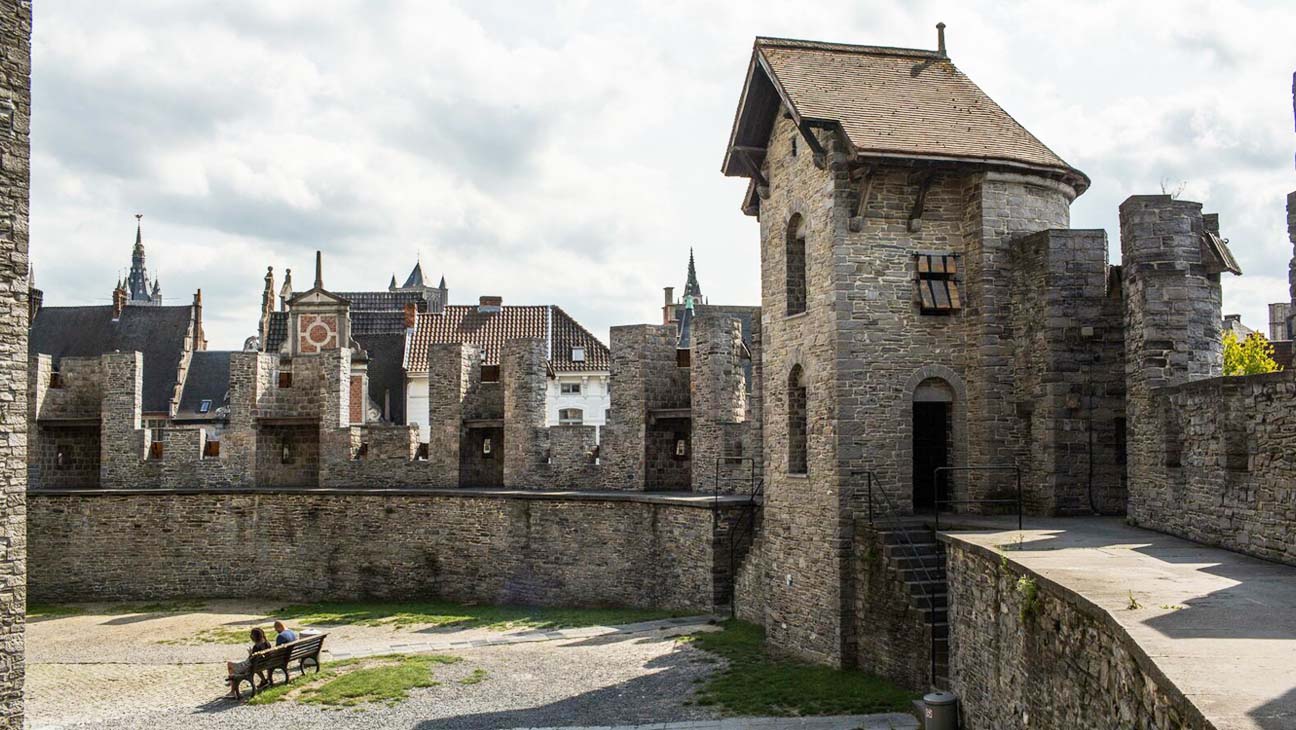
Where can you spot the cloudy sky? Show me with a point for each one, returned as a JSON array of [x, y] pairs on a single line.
[[569, 152]]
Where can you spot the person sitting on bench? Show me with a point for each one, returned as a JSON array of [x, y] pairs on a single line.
[[285, 634], [259, 643]]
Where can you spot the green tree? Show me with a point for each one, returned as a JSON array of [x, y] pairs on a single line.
[[1248, 357]]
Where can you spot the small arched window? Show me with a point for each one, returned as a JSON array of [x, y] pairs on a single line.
[[796, 265], [798, 441]]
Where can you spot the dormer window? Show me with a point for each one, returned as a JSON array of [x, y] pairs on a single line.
[[578, 354], [204, 407]]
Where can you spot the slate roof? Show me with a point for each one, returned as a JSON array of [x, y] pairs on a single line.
[[366, 322], [381, 301], [897, 102], [276, 332], [207, 379], [386, 374], [415, 278], [158, 333], [490, 330]]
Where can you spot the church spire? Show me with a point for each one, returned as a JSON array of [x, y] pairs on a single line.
[[139, 290], [691, 287]]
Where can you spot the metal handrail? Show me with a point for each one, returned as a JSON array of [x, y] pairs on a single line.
[[941, 471], [715, 487], [931, 578]]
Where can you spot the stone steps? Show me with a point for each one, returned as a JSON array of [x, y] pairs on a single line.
[[916, 557]]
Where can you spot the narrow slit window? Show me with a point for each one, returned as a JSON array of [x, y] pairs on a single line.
[[937, 284]]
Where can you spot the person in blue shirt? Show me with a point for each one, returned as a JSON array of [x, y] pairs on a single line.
[[285, 634]]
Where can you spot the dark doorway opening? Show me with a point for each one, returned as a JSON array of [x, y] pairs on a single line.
[[931, 424]]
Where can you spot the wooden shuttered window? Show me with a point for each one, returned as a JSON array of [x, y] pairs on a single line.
[[937, 283]]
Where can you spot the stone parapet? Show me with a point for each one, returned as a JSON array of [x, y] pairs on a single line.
[[516, 547]]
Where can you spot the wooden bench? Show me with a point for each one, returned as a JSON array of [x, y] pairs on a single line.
[[304, 652]]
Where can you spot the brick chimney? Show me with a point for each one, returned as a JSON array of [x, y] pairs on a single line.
[[411, 315], [199, 337], [668, 305], [118, 302], [490, 304]]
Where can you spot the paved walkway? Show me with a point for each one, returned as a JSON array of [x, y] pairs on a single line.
[[891, 721], [1221, 626]]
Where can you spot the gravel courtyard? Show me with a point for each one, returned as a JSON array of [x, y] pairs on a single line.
[[101, 669]]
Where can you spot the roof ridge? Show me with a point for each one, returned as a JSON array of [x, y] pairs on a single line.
[[772, 41]]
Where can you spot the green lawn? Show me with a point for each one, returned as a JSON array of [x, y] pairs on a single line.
[[753, 683], [37, 611], [442, 613], [353, 682]]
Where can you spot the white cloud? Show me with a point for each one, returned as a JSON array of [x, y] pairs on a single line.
[[568, 152]]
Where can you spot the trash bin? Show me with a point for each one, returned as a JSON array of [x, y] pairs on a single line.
[[940, 711]]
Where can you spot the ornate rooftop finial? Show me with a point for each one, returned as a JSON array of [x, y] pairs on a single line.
[[691, 287], [319, 270], [442, 284]]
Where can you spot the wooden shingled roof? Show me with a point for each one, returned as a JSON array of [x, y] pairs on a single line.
[[888, 102], [489, 330]]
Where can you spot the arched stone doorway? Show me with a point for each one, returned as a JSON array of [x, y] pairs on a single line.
[[936, 401]]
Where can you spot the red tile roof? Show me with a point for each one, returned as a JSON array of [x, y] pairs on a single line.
[[888, 101], [490, 330]]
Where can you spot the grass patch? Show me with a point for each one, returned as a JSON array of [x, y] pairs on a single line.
[[477, 677], [37, 611], [353, 682], [440, 613], [755, 684], [220, 635]]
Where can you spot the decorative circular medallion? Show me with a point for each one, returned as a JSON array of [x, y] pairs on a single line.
[[319, 333]]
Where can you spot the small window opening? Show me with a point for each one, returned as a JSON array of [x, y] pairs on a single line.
[[211, 450], [422, 453], [204, 407], [798, 437], [570, 388], [681, 446], [937, 284], [56, 379], [578, 354], [795, 262], [285, 379], [155, 450], [490, 373], [570, 417], [794, 146], [486, 447], [362, 451], [683, 358]]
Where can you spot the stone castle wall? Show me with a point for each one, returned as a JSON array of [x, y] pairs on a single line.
[[1064, 665], [1069, 372], [15, 126], [344, 545], [1234, 485]]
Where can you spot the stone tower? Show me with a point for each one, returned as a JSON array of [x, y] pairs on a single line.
[[15, 126], [887, 309]]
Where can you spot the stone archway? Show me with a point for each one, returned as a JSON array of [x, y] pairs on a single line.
[[934, 431]]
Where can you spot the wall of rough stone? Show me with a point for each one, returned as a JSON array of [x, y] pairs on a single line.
[[794, 577], [718, 401], [1234, 439], [639, 354], [1065, 665], [1069, 372], [892, 638], [15, 126], [343, 545], [1172, 336], [523, 376]]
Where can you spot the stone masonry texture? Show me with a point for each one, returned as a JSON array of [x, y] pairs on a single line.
[[492, 548], [1060, 664], [15, 126]]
